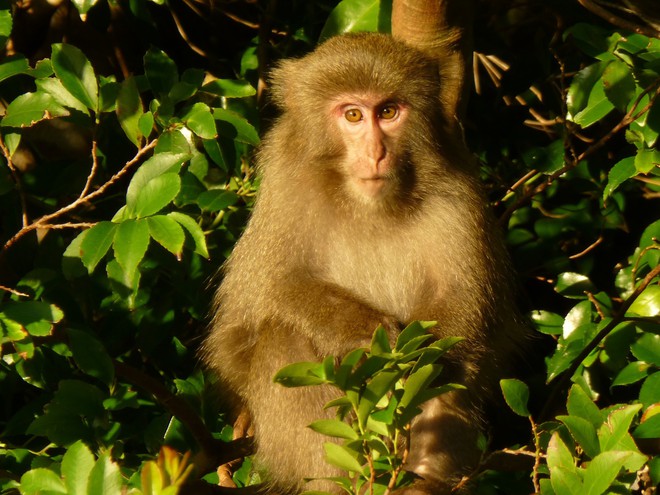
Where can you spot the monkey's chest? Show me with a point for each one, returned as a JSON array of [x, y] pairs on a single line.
[[391, 276]]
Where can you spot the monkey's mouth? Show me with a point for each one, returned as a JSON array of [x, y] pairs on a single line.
[[371, 186]]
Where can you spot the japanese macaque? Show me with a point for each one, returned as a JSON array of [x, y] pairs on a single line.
[[369, 213]]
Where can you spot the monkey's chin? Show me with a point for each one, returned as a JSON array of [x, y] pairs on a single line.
[[372, 188]]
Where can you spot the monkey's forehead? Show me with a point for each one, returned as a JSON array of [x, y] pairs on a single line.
[[366, 63]]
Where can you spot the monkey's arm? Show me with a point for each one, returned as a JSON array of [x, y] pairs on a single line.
[[334, 320]]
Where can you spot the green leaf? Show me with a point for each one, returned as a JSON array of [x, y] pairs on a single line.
[[619, 84], [129, 110], [357, 15], [334, 428], [194, 230], [343, 457], [199, 119], [573, 285], [217, 199], [232, 125], [380, 343], [161, 71], [36, 317], [130, 243], [41, 481], [83, 6], [546, 159], [167, 232], [76, 73], [647, 160], [156, 194], [91, 356], [618, 174], [14, 65], [412, 331], [300, 375], [159, 164], [77, 464], [650, 391], [516, 395], [631, 373], [563, 473], [547, 323], [417, 382], [60, 94], [647, 304], [30, 108], [583, 432], [586, 100], [105, 478], [613, 434], [649, 428], [602, 471], [96, 243], [647, 348], [580, 405], [229, 88], [375, 390]]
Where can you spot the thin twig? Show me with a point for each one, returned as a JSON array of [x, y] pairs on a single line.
[[43, 222], [618, 21], [17, 180]]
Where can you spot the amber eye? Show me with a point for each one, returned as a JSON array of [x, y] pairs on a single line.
[[388, 112], [353, 115]]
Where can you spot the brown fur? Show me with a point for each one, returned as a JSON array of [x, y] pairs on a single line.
[[317, 270]]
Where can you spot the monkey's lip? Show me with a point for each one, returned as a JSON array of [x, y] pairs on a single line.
[[371, 186]]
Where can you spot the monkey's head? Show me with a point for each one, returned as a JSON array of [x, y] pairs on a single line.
[[358, 108]]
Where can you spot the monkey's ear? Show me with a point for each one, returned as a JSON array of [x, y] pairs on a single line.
[[285, 83]]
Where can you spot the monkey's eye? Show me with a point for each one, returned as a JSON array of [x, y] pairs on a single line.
[[353, 115], [388, 112]]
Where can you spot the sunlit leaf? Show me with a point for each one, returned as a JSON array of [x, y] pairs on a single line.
[[96, 243], [357, 15], [77, 464], [229, 88], [167, 232], [30, 108], [76, 73], [516, 395], [130, 243], [129, 110]]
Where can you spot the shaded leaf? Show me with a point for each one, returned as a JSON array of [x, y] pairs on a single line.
[[516, 395]]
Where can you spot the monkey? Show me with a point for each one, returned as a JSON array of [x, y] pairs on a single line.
[[370, 212]]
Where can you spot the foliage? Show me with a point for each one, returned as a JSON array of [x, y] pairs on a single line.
[[376, 439], [126, 178]]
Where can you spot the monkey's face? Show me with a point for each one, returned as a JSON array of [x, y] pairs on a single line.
[[370, 129]]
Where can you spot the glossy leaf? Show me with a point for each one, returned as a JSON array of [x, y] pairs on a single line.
[[618, 174], [156, 195], [229, 88], [583, 432], [334, 428], [30, 108], [199, 119], [300, 374], [161, 71], [60, 94], [217, 199], [130, 243], [77, 464], [357, 15], [105, 478], [232, 125], [96, 243], [76, 73], [129, 110], [155, 166], [342, 457], [619, 84], [516, 395], [41, 481], [194, 230], [167, 232]]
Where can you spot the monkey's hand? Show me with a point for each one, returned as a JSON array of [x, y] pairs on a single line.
[[334, 320]]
